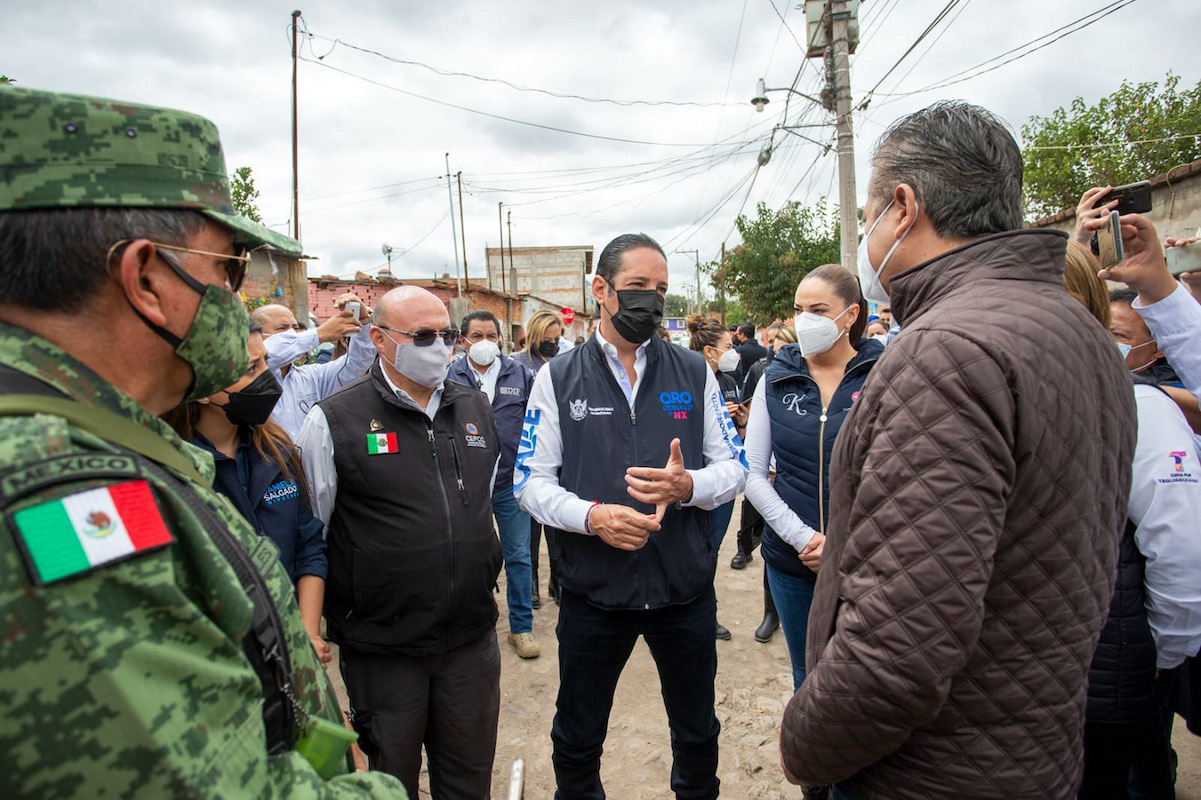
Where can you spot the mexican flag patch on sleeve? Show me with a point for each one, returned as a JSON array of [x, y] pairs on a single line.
[[77, 533], [379, 443]]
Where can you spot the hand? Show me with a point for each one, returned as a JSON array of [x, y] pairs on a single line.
[[1144, 268], [337, 327], [621, 526], [1086, 211], [1192, 282], [322, 647], [360, 760], [661, 487], [811, 555], [737, 413], [350, 297]]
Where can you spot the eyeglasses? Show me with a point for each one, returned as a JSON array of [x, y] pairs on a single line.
[[425, 338], [234, 265]]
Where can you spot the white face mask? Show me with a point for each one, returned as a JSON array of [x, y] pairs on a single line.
[[869, 276], [729, 361], [484, 352], [426, 366], [1125, 350], [816, 334]]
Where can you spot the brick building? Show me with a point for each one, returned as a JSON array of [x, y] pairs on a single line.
[[273, 277], [557, 276]]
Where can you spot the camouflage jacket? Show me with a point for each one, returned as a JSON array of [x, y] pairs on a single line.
[[130, 680]]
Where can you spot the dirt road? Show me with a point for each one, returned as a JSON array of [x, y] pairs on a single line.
[[753, 684]]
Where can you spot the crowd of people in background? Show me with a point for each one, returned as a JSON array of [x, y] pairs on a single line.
[[978, 508]]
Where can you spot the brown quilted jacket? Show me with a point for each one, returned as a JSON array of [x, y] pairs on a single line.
[[978, 491]]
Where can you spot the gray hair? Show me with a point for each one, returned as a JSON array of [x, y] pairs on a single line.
[[963, 164], [609, 263], [54, 259]]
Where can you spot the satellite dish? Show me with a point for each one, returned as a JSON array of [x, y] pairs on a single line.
[[386, 249]]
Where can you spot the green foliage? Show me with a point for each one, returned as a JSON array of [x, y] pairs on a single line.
[[4, 79], [677, 305], [778, 248], [1055, 179], [244, 195]]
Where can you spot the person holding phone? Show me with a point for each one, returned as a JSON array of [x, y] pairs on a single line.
[[796, 412], [711, 339]]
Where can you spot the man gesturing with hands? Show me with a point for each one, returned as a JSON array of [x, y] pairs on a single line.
[[638, 558]]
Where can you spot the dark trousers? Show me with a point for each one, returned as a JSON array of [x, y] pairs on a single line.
[[1128, 760], [552, 549], [450, 702], [594, 645]]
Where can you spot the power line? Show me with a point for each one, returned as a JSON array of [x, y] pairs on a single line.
[[501, 117], [978, 70], [515, 86], [929, 28], [1113, 144]]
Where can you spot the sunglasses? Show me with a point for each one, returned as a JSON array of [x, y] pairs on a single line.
[[234, 265], [426, 337]]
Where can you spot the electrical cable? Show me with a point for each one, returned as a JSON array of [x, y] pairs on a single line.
[[1114, 144], [929, 28], [515, 86]]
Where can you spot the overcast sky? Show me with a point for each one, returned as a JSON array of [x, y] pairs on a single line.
[[371, 156]]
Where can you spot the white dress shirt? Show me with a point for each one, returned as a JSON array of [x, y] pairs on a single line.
[[486, 380], [1165, 506], [718, 482], [779, 517], [316, 446], [304, 387], [1175, 322]]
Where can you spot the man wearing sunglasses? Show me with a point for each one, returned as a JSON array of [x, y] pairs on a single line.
[[401, 466], [152, 644]]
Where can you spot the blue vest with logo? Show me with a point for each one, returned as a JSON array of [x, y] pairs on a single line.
[[602, 437], [803, 442]]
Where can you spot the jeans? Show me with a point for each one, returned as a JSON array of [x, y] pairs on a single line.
[[793, 596], [594, 645], [839, 793], [513, 524], [720, 519]]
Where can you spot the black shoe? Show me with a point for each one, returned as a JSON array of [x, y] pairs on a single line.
[[552, 591], [740, 560], [767, 627], [536, 600], [722, 632]]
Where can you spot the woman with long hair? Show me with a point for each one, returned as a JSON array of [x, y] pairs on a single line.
[[542, 332], [258, 469], [796, 412], [711, 339]]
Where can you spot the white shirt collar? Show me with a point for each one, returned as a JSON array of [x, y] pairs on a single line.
[[435, 399]]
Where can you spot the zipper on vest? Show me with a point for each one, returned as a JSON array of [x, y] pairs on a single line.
[[454, 449], [450, 538], [821, 469]]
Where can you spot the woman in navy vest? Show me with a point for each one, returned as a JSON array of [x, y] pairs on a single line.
[[796, 412], [711, 339], [259, 470], [543, 330]]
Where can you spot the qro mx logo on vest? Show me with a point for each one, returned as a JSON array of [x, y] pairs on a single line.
[[676, 404]]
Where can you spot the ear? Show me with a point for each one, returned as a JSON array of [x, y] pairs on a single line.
[[600, 290], [1158, 352], [905, 199], [144, 286]]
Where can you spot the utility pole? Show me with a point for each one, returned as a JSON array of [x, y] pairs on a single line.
[[454, 236], [295, 154], [721, 286], [500, 220], [697, 255], [463, 227], [512, 268], [839, 77]]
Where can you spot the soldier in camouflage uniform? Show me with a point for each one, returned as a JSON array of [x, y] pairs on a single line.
[[122, 627]]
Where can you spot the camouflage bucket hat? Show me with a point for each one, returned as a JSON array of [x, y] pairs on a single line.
[[71, 151]]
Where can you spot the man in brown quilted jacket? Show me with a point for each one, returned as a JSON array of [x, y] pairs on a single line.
[[978, 493]]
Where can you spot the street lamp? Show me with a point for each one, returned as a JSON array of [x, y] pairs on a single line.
[[760, 101]]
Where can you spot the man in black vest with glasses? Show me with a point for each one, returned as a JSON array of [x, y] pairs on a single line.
[[637, 550]]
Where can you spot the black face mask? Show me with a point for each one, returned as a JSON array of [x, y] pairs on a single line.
[[548, 349], [639, 314], [253, 404]]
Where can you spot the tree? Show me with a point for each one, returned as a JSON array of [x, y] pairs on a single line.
[[1139, 131], [778, 248], [676, 305], [244, 195]]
